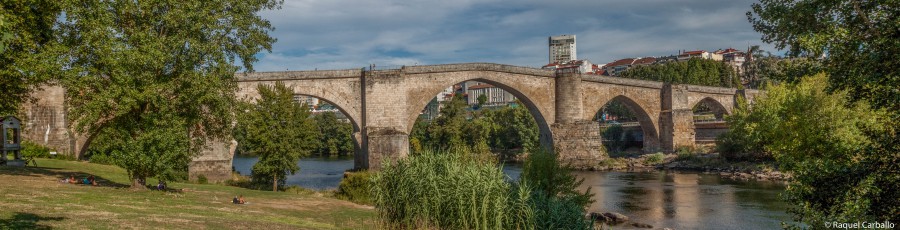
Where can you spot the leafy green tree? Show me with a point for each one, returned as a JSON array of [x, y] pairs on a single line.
[[446, 130], [481, 100], [335, 137], [131, 64], [515, 128], [821, 138], [278, 130], [26, 29], [857, 39]]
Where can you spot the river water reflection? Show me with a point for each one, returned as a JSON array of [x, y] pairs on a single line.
[[679, 200]]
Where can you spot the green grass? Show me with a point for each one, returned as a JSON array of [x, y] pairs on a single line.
[[34, 198]]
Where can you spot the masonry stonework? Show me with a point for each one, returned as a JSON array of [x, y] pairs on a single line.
[[384, 104]]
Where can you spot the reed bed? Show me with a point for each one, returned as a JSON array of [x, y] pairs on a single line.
[[450, 190]]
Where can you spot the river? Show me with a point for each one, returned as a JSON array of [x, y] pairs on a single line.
[[679, 200]]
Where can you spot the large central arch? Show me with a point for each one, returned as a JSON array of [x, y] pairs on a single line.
[[506, 81]]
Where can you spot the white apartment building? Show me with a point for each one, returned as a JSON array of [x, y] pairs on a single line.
[[562, 48], [495, 96]]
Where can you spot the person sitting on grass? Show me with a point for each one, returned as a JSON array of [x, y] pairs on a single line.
[[161, 186], [72, 180], [92, 181], [237, 200]]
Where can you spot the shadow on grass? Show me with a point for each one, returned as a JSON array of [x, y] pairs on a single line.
[[59, 174], [21, 220]]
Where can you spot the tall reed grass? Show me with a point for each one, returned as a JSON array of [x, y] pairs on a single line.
[[450, 190]]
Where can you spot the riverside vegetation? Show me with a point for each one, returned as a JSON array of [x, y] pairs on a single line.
[[459, 189]]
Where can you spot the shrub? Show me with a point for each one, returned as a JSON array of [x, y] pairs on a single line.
[[655, 158], [840, 173], [356, 187], [201, 179], [31, 149], [449, 190], [295, 189], [102, 159], [684, 153], [556, 199], [238, 180]]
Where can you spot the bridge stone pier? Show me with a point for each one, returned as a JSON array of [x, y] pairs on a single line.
[[383, 105]]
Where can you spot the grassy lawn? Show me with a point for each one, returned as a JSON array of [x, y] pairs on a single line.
[[34, 198]]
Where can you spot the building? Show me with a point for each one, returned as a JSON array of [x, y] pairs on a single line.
[[312, 102], [562, 49], [579, 66], [733, 57], [619, 66], [686, 55], [495, 96]]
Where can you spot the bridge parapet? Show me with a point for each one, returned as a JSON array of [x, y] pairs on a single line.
[[622, 81], [296, 75], [477, 67], [711, 89]]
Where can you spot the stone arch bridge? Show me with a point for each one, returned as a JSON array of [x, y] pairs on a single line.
[[383, 105]]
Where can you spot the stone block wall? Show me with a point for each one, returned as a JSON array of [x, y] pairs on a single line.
[[214, 162], [386, 144], [579, 144], [213, 170], [44, 120], [676, 121]]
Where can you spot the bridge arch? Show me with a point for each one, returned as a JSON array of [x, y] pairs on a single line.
[[713, 105], [343, 103], [646, 121], [535, 93]]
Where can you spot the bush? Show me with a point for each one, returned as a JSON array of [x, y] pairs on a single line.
[[102, 159], [356, 187], [295, 189], [655, 158], [685, 153], [238, 180], [557, 202], [201, 179], [31, 149], [840, 173], [449, 190]]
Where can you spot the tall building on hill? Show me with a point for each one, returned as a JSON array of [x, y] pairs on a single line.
[[562, 48]]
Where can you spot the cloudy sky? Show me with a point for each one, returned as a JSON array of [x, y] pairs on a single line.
[[342, 34]]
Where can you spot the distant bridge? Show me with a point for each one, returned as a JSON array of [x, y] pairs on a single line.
[[382, 106]]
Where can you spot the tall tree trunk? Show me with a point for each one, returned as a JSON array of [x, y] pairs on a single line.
[[274, 183], [138, 183]]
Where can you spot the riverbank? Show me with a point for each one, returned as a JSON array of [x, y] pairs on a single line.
[[696, 162], [33, 198]]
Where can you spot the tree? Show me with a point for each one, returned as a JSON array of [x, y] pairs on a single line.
[[278, 130], [511, 127], [695, 71], [129, 64], [334, 135], [446, 130], [481, 100], [820, 138], [857, 39], [26, 29]]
